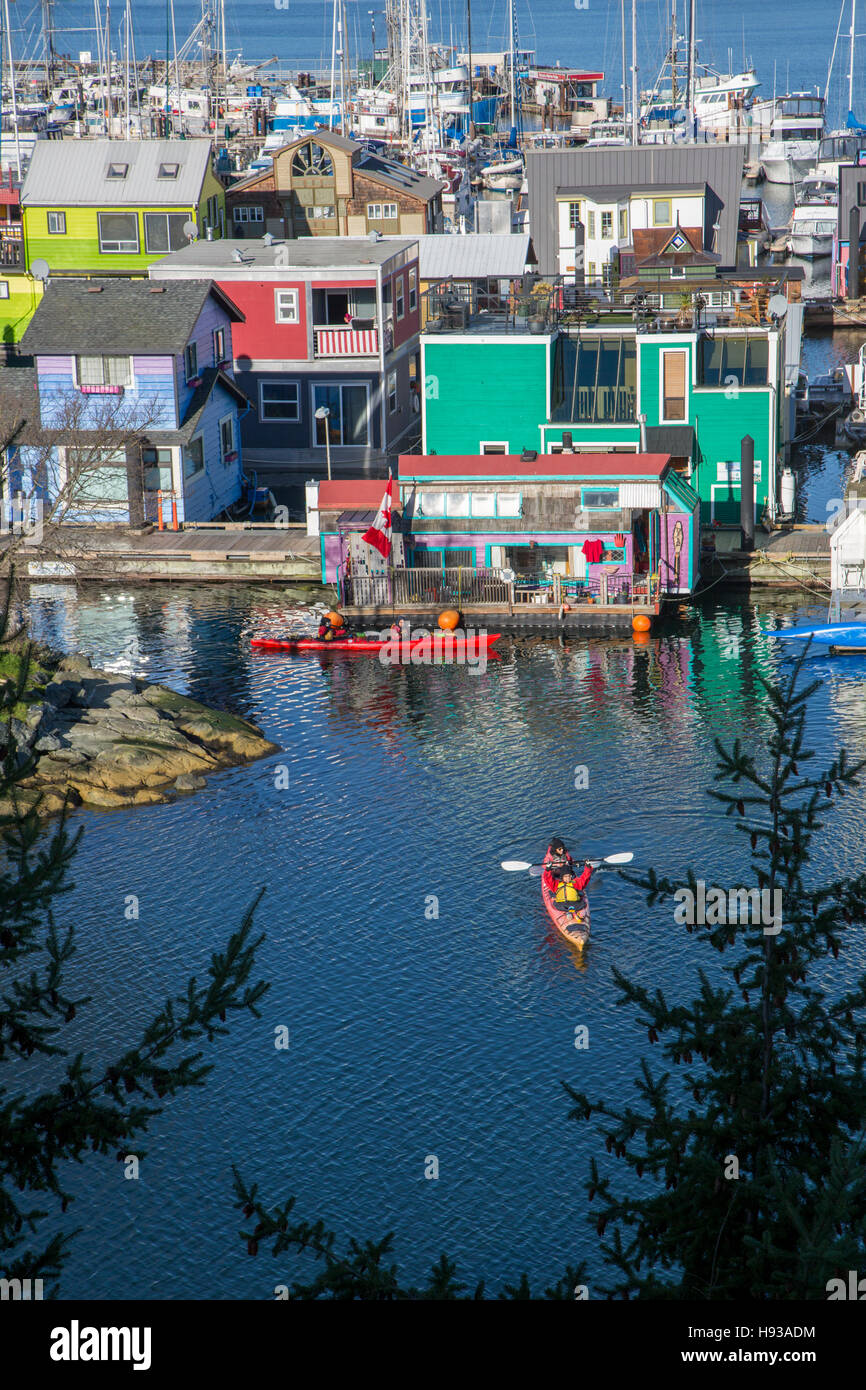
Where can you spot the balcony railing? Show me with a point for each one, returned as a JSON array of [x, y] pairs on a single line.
[[11, 248], [334, 341], [426, 587]]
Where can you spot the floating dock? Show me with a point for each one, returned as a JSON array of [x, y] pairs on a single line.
[[797, 557]]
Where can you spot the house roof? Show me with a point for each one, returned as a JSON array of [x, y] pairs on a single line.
[[428, 467], [19, 402], [649, 241], [351, 494], [677, 440], [72, 173], [211, 379], [378, 167], [473, 257], [303, 253], [660, 168], [120, 316]]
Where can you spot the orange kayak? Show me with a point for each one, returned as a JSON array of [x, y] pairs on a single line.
[[571, 924]]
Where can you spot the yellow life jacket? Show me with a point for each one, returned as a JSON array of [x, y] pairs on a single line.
[[566, 893]]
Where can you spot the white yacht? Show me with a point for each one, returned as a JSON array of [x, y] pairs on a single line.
[[795, 134], [813, 226]]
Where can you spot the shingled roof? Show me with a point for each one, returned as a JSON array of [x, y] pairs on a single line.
[[121, 316]]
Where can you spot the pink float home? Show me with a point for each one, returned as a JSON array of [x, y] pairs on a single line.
[[616, 530]]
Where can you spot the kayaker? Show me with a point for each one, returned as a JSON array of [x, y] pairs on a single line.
[[567, 895], [559, 860], [331, 628]]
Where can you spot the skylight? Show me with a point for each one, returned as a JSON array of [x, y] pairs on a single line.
[[117, 171], [168, 171]]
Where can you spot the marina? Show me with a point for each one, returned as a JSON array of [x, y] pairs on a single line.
[[425, 433]]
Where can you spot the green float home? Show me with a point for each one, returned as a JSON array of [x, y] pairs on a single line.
[[680, 364], [113, 207]]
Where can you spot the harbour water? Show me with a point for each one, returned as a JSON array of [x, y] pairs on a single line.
[[430, 1010]]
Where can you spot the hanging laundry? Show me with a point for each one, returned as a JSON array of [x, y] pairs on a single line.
[[593, 550]]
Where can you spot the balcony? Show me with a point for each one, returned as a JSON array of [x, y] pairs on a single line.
[[11, 248], [338, 341]]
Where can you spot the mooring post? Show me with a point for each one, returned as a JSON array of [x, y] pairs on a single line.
[[747, 492]]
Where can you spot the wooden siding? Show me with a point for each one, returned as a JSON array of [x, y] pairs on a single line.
[[17, 311], [78, 248], [152, 392]]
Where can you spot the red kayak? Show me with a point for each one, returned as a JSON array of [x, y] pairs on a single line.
[[571, 923], [438, 644]]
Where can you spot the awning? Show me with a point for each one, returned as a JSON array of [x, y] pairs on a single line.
[[676, 440]]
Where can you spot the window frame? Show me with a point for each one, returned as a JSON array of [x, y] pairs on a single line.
[[340, 386], [399, 297], [574, 218], [413, 289], [668, 221], [147, 467], [115, 356], [218, 339], [391, 391], [228, 456], [279, 316], [4, 289], [126, 249], [190, 477], [190, 356], [493, 446], [586, 506], [56, 231], [664, 399], [607, 228], [281, 419], [158, 251]]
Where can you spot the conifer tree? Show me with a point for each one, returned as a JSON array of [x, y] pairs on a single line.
[[88, 1114], [740, 1172]]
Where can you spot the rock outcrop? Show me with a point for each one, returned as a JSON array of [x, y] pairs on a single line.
[[99, 739]]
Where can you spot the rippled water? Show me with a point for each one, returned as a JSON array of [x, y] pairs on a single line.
[[411, 1035]]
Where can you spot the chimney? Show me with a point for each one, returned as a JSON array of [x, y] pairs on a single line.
[[208, 232]]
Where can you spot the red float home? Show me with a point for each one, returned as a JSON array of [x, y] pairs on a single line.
[[331, 323]]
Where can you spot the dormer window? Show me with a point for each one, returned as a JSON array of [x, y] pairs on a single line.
[[117, 171], [168, 171]]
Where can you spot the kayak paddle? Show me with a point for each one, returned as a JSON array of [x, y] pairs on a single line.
[[514, 866]]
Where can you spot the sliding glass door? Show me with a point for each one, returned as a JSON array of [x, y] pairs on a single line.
[[348, 420]]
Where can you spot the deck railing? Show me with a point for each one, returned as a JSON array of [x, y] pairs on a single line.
[[427, 587]]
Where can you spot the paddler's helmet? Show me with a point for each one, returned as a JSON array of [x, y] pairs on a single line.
[[335, 619]]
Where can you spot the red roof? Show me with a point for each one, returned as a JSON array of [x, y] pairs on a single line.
[[544, 465], [344, 494]]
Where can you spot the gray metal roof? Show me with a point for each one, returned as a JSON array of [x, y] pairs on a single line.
[[639, 167], [473, 256], [119, 317], [311, 252], [73, 173], [613, 192]]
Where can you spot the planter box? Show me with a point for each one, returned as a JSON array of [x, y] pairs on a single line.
[[101, 390]]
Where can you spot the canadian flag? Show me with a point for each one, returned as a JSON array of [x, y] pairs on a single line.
[[379, 534]]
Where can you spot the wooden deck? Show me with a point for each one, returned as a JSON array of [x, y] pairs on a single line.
[[501, 617], [237, 550], [796, 557]]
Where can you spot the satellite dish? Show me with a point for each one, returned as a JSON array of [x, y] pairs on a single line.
[[40, 270], [190, 230], [777, 307]]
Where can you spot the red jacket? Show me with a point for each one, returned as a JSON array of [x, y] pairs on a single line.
[[550, 877]]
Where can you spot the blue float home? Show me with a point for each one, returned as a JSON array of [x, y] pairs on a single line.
[[135, 412]]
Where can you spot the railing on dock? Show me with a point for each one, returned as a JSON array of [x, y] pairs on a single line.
[[426, 587]]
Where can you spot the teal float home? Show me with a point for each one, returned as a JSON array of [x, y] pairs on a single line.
[[681, 363], [133, 415]]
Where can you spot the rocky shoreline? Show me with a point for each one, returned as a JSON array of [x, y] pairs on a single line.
[[105, 740]]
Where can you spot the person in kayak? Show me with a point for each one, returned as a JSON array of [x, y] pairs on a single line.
[[568, 896], [558, 861], [331, 628]]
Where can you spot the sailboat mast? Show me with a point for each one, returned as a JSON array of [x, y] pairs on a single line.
[[691, 76], [333, 66], [471, 131], [635, 95], [512, 94], [674, 92], [851, 58], [624, 73], [12, 86]]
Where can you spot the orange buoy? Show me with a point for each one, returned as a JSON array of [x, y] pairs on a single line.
[[640, 623], [449, 619], [566, 608]]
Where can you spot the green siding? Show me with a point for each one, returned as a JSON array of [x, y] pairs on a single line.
[[490, 391]]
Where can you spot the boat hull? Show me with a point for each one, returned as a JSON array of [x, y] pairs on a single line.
[[439, 645], [572, 926], [824, 634]]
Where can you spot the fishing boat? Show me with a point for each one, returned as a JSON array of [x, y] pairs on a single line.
[[573, 924], [444, 644], [835, 636]]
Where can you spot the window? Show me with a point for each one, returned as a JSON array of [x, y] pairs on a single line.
[[457, 504], [725, 360], [168, 171], [591, 272], [4, 289], [573, 215], [279, 400], [117, 171], [98, 476], [118, 233], [382, 212], [509, 504], [482, 504], [590, 225], [600, 499], [248, 214], [312, 159], [494, 447], [607, 226], [861, 196], [286, 306], [431, 503], [321, 210], [219, 346], [190, 362], [163, 231], [661, 212], [157, 470], [57, 223], [678, 272], [398, 297], [413, 290], [104, 371], [595, 380], [348, 421], [674, 385], [227, 438], [623, 224], [392, 392], [193, 458]]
